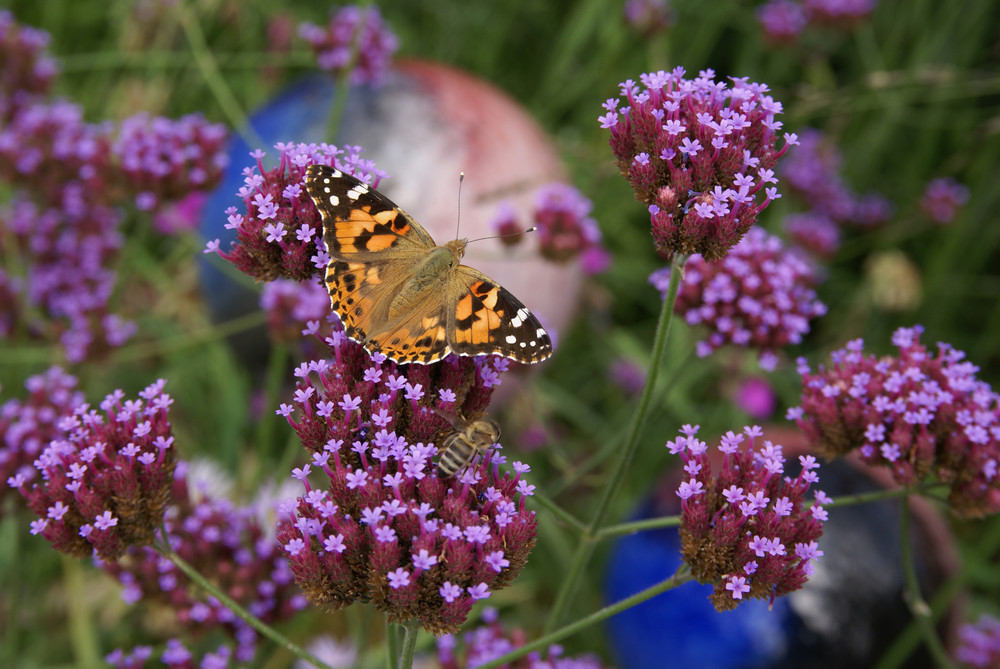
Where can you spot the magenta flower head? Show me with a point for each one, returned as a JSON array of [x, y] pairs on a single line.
[[759, 296], [979, 643], [649, 17], [26, 70], [814, 233], [699, 154], [355, 39], [27, 426], [161, 160], [781, 20], [232, 547], [291, 305], [279, 235], [490, 640], [746, 526], [920, 414], [943, 199], [105, 478], [565, 227], [384, 528]]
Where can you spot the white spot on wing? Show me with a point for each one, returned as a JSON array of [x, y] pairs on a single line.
[[334, 200], [511, 339]]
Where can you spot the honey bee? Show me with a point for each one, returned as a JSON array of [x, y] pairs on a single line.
[[469, 439]]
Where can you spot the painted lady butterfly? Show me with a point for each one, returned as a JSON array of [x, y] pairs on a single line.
[[398, 292]]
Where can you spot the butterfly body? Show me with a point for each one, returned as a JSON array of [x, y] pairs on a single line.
[[469, 439], [398, 292]]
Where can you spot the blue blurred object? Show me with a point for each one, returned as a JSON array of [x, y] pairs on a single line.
[[847, 615], [298, 114]]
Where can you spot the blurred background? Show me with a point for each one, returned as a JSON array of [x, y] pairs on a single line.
[[889, 96]]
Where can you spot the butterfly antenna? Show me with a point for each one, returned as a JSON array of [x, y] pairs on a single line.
[[458, 222], [506, 234]]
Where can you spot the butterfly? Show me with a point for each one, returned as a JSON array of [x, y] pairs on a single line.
[[398, 292]]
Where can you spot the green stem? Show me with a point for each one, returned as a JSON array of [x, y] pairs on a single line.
[[209, 69], [679, 578], [411, 629], [230, 603], [558, 511], [879, 495], [344, 81], [918, 606], [391, 645], [638, 526], [586, 546], [81, 618]]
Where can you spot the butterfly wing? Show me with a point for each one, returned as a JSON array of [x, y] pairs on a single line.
[[359, 223], [488, 319], [372, 243]]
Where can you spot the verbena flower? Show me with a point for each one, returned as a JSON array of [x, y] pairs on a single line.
[[105, 478], [648, 17], [814, 233], [565, 227], [917, 413], [383, 528], [355, 38], [759, 296], [291, 305], [746, 527], [812, 169], [162, 160], [228, 545], [490, 640], [781, 20], [27, 426], [943, 199], [756, 397], [26, 70], [66, 258], [979, 643], [280, 234], [175, 656], [699, 154]]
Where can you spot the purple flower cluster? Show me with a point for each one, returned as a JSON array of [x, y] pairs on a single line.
[[781, 20], [698, 153], [648, 17], [26, 70], [812, 170], [105, 478], [279, 236], [27, 426], [979, 643], [162, 160], [784, 20], [759, 296], [291, 305], [228, 545], [67, 277], [814, 233], [384, 528], [565, 228], [943, 199], [490, 640], [355, 39], [175, 656], [917, 413], [746, 528], [68, 178]]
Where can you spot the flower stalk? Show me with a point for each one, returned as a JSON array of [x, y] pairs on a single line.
[[591, 533]]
